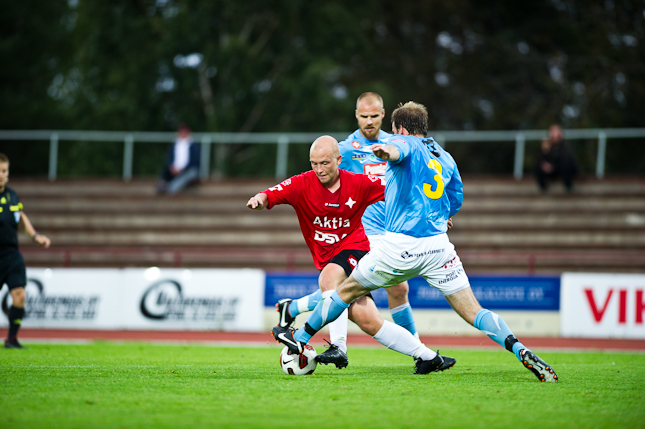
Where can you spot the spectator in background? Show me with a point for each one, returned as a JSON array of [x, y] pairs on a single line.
[[182, 163], [556, 160]]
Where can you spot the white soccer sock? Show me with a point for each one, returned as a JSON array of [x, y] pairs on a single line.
[[303, 304], [338, 328], [401, 340]]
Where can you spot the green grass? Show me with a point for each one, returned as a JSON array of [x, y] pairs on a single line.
[[130, 385]]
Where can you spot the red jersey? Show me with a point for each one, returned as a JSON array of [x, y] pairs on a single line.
[[330, 222]]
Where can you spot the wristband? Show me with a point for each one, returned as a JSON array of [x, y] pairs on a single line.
[[33, 238]]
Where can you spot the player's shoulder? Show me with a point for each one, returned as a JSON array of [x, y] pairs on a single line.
[[346, 175], [306, 176], [397, 140], [352, 142], [293, 180], [438, 151], [356, 178], [383, 136], [11, 192], [356, 135]]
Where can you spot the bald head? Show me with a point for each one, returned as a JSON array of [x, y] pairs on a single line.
[[324, 156], [325, 144]]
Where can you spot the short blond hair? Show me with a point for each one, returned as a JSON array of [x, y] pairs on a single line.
[[369, 96]]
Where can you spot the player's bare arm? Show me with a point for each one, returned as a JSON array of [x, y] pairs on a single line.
[[26, 226], [386, 152], [258, 201]]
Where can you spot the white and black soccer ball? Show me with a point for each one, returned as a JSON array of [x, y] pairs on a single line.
[[298, 364]]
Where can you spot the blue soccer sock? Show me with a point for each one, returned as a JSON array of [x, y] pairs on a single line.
[[402, 316], [497, 330], [304, 304], [325, 311]]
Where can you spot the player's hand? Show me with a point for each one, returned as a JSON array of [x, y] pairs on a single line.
[[449, 222], [386, 152], [381, 151], [257, 202], [42, 241]]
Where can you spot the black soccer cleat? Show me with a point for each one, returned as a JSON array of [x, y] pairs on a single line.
[[285, 336], [13, 344], [537, 366], [285, 317], [333, 355], [439, 363]]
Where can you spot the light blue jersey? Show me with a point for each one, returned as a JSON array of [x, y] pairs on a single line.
[[357, 155], [423, 188]]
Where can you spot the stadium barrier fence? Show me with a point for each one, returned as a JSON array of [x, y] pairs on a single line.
[[283, 140]]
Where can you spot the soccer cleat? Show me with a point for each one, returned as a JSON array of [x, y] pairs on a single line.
[[333, 355], [285, 317], [285, 336], [439, 363], [537, 366], [13, 344]]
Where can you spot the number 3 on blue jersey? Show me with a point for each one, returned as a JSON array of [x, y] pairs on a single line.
[[427, 188]]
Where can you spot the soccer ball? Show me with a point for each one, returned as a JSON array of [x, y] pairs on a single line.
[[298, 364]]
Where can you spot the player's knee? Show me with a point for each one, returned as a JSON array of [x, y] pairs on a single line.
[[351, 290], [369, 322], [331, 277], [372, 327], [18, 297], [326, 286], [399, 292]]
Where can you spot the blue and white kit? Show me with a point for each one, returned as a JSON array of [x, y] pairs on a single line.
[[423, 189]]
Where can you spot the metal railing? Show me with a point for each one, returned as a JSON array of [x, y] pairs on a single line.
[[282, 140]]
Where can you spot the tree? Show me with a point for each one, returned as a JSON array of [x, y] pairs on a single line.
[[285, 65]]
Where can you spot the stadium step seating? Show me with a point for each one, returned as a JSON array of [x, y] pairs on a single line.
[[505, 226]]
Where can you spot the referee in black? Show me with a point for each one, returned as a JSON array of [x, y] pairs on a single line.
[[12, 266]]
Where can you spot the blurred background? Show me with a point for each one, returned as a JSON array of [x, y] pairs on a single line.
[[92, 94], [289, 66], [137, 69]]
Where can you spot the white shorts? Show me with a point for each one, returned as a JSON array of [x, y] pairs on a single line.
[[375, 240], [399, 257]]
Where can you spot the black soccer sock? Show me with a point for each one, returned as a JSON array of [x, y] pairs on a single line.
[[15, 320]]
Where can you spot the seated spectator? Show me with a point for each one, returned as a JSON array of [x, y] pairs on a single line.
[[182, 163], [556, 160]]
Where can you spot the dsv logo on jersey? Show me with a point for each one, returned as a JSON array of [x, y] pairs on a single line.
[[41, 306], [165, 300], [328, 237]]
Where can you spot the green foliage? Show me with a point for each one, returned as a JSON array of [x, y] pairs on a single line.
[[27, 158], [141, 385], [93, 159], [284, 65]]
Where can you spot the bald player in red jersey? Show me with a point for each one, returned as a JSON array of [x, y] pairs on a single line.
[[330, 221], [329, 203]]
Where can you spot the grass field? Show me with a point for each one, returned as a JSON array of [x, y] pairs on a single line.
[[131, 385]]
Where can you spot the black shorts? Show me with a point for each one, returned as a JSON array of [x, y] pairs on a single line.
[[12, 270], [348, 259]]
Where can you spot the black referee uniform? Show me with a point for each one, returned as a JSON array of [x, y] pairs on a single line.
[[12, 265]]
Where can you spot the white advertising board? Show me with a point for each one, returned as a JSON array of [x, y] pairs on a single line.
[[602, 305], [204, 299], [163, 299]]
